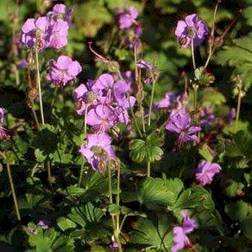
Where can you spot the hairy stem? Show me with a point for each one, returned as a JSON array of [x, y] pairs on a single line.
[[195, 97], [210, 53], [148, 169], [193, 56], [13, 191], [151, 100], [39, 86], [81, 174], [238, 107], [118, 230]]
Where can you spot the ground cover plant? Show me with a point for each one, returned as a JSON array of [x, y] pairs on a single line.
[[125, 125]]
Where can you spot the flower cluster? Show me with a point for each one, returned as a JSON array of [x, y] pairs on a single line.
[[50, 31], [105, 103], [206, 171], [128, 23], [191, 30], [106, 100], [63, 70], [180, 238], [3, 132], [180, 123]]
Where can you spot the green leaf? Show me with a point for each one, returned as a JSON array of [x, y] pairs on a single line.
[[247, 227], [160, 191], [154, 233], [238, 211], [114, 209], [65, 223], [211, 96], [146, 151], [234, 127], [75, 191], [238, 56], [234, 188], [40, 157], [247, 13], [206, 152], [87, 214]]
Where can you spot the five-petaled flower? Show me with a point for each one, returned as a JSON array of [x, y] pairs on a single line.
[[63, 70], [191, 30], [180, 238], [206, 171], [98, 151], [127, 17], [180, 123]]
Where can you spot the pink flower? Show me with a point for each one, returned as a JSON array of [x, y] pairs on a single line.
[[61, 11], [127, 17], [180, 238], [58, 34], [34, 31], [63, 70], [101, 118], [206, 171], [166, 102], [191, 29], [180, 123], [98, 150]]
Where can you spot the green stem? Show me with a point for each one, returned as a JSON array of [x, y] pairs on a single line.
[[110, 185], [49, 172], [238, 107], [34, 114], [211, 51], [13, 191], [151, 101], [81, 173], [148, 169], [118, 230], [195, 97], [39, 86], [143, 121], [193, 56]]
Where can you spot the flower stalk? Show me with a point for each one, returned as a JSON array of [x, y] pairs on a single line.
[[12, 186], [39, 86]]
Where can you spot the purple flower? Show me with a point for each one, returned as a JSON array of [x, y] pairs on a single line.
[[180, 238], [48, 31], [58, 34], [191, 29], [44, 224], [127, 18], [166, 102], [98, 150], [61, 11], [63, 70], [34, 31], [206, 171], [121, 90], [180, 123], [206, 117], [101, 117]]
